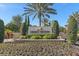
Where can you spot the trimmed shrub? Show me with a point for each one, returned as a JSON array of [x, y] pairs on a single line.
[[29, 36], [23, 37], [35, 37], [43, 36], [1, 31], [49, 36], [72, 30]]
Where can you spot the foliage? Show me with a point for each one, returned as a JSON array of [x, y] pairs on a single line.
[[40, 10], [55, 27], [62, 29], [12, 27], [25, 26], [45, 22], [35, 37], [49, 36], [24, 37], [15, 24], [76, 16], [17, 20], [41, 36], [8, 34], [72, 30], [78, 30], [1, 31], [7, 30]]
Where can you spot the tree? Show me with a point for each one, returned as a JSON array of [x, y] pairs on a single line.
[[72, 30], [25, 26], [40, 10], [28, 20], [45, 22], [1, 31], [76, 16], [62, 29], [17, 20], [15, 24], [12, 27], [55, 27]]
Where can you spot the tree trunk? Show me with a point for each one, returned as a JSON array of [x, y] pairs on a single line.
[[40, 21], [40, 18]]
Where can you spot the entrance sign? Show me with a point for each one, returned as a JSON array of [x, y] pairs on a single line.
[[40, 30]]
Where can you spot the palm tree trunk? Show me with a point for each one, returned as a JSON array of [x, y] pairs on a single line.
[[40, 17], [40, 21]]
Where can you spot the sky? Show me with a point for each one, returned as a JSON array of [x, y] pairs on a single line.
[[64, 10]]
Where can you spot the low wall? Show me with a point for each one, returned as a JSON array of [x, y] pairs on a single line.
[[33, 40]]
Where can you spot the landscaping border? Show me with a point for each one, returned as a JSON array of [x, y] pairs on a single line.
[[33, 40]]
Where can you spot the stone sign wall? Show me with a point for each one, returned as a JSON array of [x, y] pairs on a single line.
[[40, 30]]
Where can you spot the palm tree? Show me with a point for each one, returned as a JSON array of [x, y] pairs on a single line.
[[40, 10], [45, 22], [76, 16]]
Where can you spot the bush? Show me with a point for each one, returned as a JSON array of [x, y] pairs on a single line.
[[42, 36], [72, 30], [35, 37], [54, 36], [23, 37], [49, 36], [8, 34], [29, 36], [1, 31]]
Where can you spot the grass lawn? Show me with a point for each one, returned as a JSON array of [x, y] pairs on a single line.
[[37, 49]]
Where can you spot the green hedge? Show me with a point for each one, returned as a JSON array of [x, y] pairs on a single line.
[[23, 37], [36, 37], [49, 36], [39, 36]]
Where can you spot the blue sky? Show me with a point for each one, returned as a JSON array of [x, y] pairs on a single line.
[[64, 10]]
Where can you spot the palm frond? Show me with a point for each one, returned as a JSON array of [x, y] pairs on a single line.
[[50, 9], [52, 12], [26, 13], [34, 16], [47, 15], [40, 10]]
